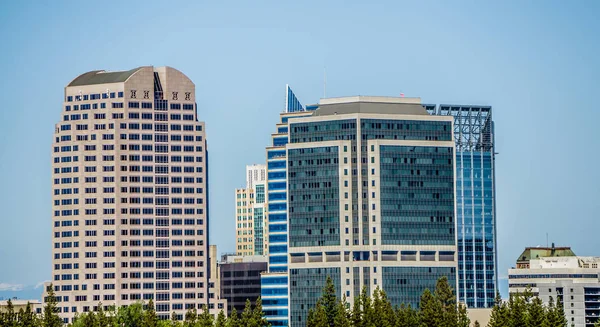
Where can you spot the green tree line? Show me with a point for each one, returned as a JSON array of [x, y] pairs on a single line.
[[436, 309], [134, 315]]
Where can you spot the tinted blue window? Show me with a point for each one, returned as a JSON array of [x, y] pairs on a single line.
[[276, 175], [276, 165], [277, 238], [278, 228]]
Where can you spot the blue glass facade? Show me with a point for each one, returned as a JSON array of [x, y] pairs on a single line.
[[274, 289], [292, 104], [475, 200]]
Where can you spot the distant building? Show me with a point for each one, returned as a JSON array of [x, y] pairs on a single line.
[[240, 280], [557, 273], [251, 214], [36, 305]]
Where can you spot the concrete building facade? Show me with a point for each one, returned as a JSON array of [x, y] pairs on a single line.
[[130, 209], [558, 274]]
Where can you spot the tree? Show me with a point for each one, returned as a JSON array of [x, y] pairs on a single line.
[[10, 317], [518, 310], [205, 319], [500, 317], [191, 316], [476, 324], [320, 317], [447, 302], [247, 318], [536, 316], [221, 320], [356, 315], [51, 318], [368, 314], [234, 320], [406, 316], [150, 319], [342, 316], [174, 322], [27, 318], [258, 315], [463, 317], [384, 310], [89, 319], [329, 300], [131, 315], [430, 310], [559, 314]]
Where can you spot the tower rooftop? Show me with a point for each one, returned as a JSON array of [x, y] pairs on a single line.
[[370, 104]]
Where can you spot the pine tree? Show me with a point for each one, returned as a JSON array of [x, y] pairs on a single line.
[[310, 318], [329, 300], [258, 315], [205, 319], [430, 310], [500, 315], [234, 320], [247, 318], [476, 324], [10, 317], [342, 316], [536, 316], [447, 301], [387, 311], [463, 316], [356, 316], [51, 318], [28, 318], [150, 318], [368, 314], [561, 320], [221, 320], [518, 310], [320, 316]]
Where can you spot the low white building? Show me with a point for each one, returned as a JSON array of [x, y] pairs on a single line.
[[558, 273]]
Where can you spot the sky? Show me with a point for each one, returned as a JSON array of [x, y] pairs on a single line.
[[535, 62]]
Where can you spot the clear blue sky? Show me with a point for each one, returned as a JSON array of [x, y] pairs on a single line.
[[535, 62]]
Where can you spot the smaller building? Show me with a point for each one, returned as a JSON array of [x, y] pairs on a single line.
[[557, 273], [36, 305], [240, 280], [251, 213]]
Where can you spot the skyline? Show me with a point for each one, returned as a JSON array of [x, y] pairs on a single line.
[[531, 79]]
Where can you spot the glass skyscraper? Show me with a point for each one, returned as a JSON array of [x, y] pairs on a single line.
[[476, 202], [274, 283], [360, 189]]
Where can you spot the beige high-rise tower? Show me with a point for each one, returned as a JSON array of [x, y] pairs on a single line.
[[130, 219], [251, 213]]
